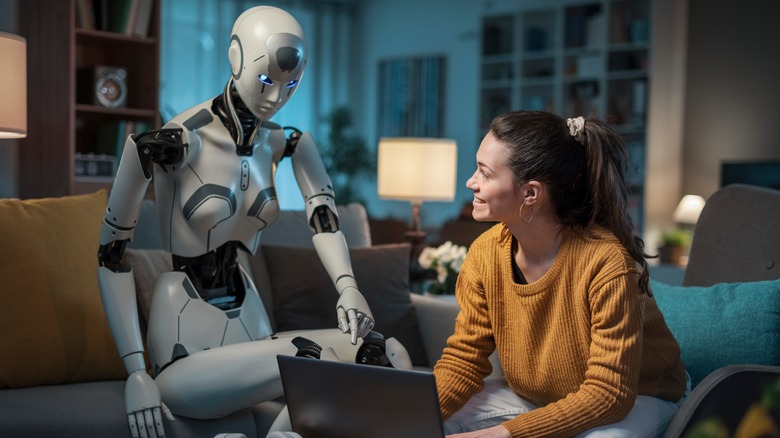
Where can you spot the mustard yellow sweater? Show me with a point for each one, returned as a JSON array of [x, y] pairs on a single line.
[[581, 341]]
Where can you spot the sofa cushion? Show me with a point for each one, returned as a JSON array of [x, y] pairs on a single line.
[[53, 326], [723, 324], [304, 296]]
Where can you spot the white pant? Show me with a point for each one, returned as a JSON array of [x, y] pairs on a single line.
[[497, 403]]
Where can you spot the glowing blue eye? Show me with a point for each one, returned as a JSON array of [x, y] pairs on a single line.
[[265, 79], [292, 83]]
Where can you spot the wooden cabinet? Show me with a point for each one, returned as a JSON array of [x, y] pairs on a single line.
[[64, 121], [573, 58]]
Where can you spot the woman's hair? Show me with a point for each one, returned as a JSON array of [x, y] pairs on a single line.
[[585, 178]]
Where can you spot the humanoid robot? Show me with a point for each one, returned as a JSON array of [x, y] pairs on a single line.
[[211, 346]]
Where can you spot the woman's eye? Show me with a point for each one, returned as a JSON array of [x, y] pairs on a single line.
[[265, 79]]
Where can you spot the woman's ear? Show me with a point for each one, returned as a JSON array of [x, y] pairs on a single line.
[[532, 192]]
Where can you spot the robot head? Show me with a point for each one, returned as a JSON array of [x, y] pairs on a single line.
[[267, 57]]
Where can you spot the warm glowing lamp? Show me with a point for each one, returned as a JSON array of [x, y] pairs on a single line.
[[688, 210], [13, 86], [417, 170]]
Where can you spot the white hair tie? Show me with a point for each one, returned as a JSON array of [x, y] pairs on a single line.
[[576, 125]]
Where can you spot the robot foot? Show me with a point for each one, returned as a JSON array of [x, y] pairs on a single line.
[[373, 351], [307, 348], [378, 351]]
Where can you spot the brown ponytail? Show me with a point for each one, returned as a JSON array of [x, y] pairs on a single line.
[[586, 177]]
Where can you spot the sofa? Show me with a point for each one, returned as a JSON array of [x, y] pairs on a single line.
[[60, 373]]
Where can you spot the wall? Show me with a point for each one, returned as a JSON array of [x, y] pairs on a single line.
[[732, 101], [390, 29], [8, 188]]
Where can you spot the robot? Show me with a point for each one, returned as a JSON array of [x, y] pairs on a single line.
[[211, 346]]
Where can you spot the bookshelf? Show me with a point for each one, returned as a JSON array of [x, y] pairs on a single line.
[[573, 58], [67, 127]]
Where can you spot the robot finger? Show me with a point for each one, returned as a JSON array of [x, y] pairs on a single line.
[[133, 425], [167, 412], [158, 423], [141, 421], [150, 426], [342, 315], [353, 324], [366, 324]]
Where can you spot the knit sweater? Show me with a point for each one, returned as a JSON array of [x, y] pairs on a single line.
[[581, 341]]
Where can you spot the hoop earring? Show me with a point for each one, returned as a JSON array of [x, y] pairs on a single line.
[[521, 214]]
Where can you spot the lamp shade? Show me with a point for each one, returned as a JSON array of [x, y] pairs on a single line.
[[688, 210], [13, 86], [417, 169]]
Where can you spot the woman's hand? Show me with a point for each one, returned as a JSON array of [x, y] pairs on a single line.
[[493, 432]]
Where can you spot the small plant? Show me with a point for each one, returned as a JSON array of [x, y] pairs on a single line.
[[672, 246], [675, 238]]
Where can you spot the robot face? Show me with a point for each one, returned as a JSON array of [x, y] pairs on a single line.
[[267, 57]]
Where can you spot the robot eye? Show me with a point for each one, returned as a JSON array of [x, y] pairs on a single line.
[[265, 79], [292, 83]]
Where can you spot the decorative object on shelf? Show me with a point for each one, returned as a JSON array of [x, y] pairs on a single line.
[[13, 86], [446, 260], [417, 170], [346, 157], [103, 85]]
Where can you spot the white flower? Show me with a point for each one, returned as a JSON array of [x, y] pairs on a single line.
[[441, 273], [427, 257], [446, 260]]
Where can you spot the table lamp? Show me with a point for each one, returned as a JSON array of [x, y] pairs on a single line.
[[13, 86], [417, 170], [688, 210]]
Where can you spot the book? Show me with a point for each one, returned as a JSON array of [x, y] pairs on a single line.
[[144, 18], [118, 15]]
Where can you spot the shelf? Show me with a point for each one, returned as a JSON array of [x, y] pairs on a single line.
[[117, 112], [573, 57], [66, 63], [102, 37]]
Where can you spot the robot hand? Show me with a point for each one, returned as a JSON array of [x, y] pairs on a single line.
[[354, 315], [144, 406]]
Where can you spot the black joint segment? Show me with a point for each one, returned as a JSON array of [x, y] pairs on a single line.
[[110, 255], [306, 347]]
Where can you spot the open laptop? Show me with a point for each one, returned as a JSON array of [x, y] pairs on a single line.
[[343, 400]]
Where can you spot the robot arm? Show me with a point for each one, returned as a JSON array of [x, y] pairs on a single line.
[[354, 315], [117, 285]]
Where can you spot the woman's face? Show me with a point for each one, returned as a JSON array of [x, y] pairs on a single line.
[[493, 185]]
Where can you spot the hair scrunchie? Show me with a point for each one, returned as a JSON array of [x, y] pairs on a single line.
[[576, 125]]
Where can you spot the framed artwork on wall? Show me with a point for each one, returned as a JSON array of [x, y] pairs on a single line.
[[411, 97]]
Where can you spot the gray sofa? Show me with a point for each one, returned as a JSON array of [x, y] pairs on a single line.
[[96, 408], [726, 314]]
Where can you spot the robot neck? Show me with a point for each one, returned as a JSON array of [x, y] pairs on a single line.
[[237, 118]]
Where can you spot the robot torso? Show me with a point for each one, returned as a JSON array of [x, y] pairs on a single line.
[[215, 196]]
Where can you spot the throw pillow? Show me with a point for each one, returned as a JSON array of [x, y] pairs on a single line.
[[723, 324], [54, 329], [304, 296]]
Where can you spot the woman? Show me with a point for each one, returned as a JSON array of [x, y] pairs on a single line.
[[560, 288]]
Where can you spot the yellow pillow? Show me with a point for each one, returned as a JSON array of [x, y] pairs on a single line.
[[52, 325]]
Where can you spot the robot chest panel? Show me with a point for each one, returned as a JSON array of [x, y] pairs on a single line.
[[223, 197]]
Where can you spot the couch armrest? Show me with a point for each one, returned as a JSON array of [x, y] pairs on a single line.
[[436, 320]]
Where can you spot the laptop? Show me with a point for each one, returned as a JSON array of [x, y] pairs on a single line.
[[329, 399]]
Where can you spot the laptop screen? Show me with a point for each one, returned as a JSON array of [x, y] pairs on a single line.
[[345, 400]]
